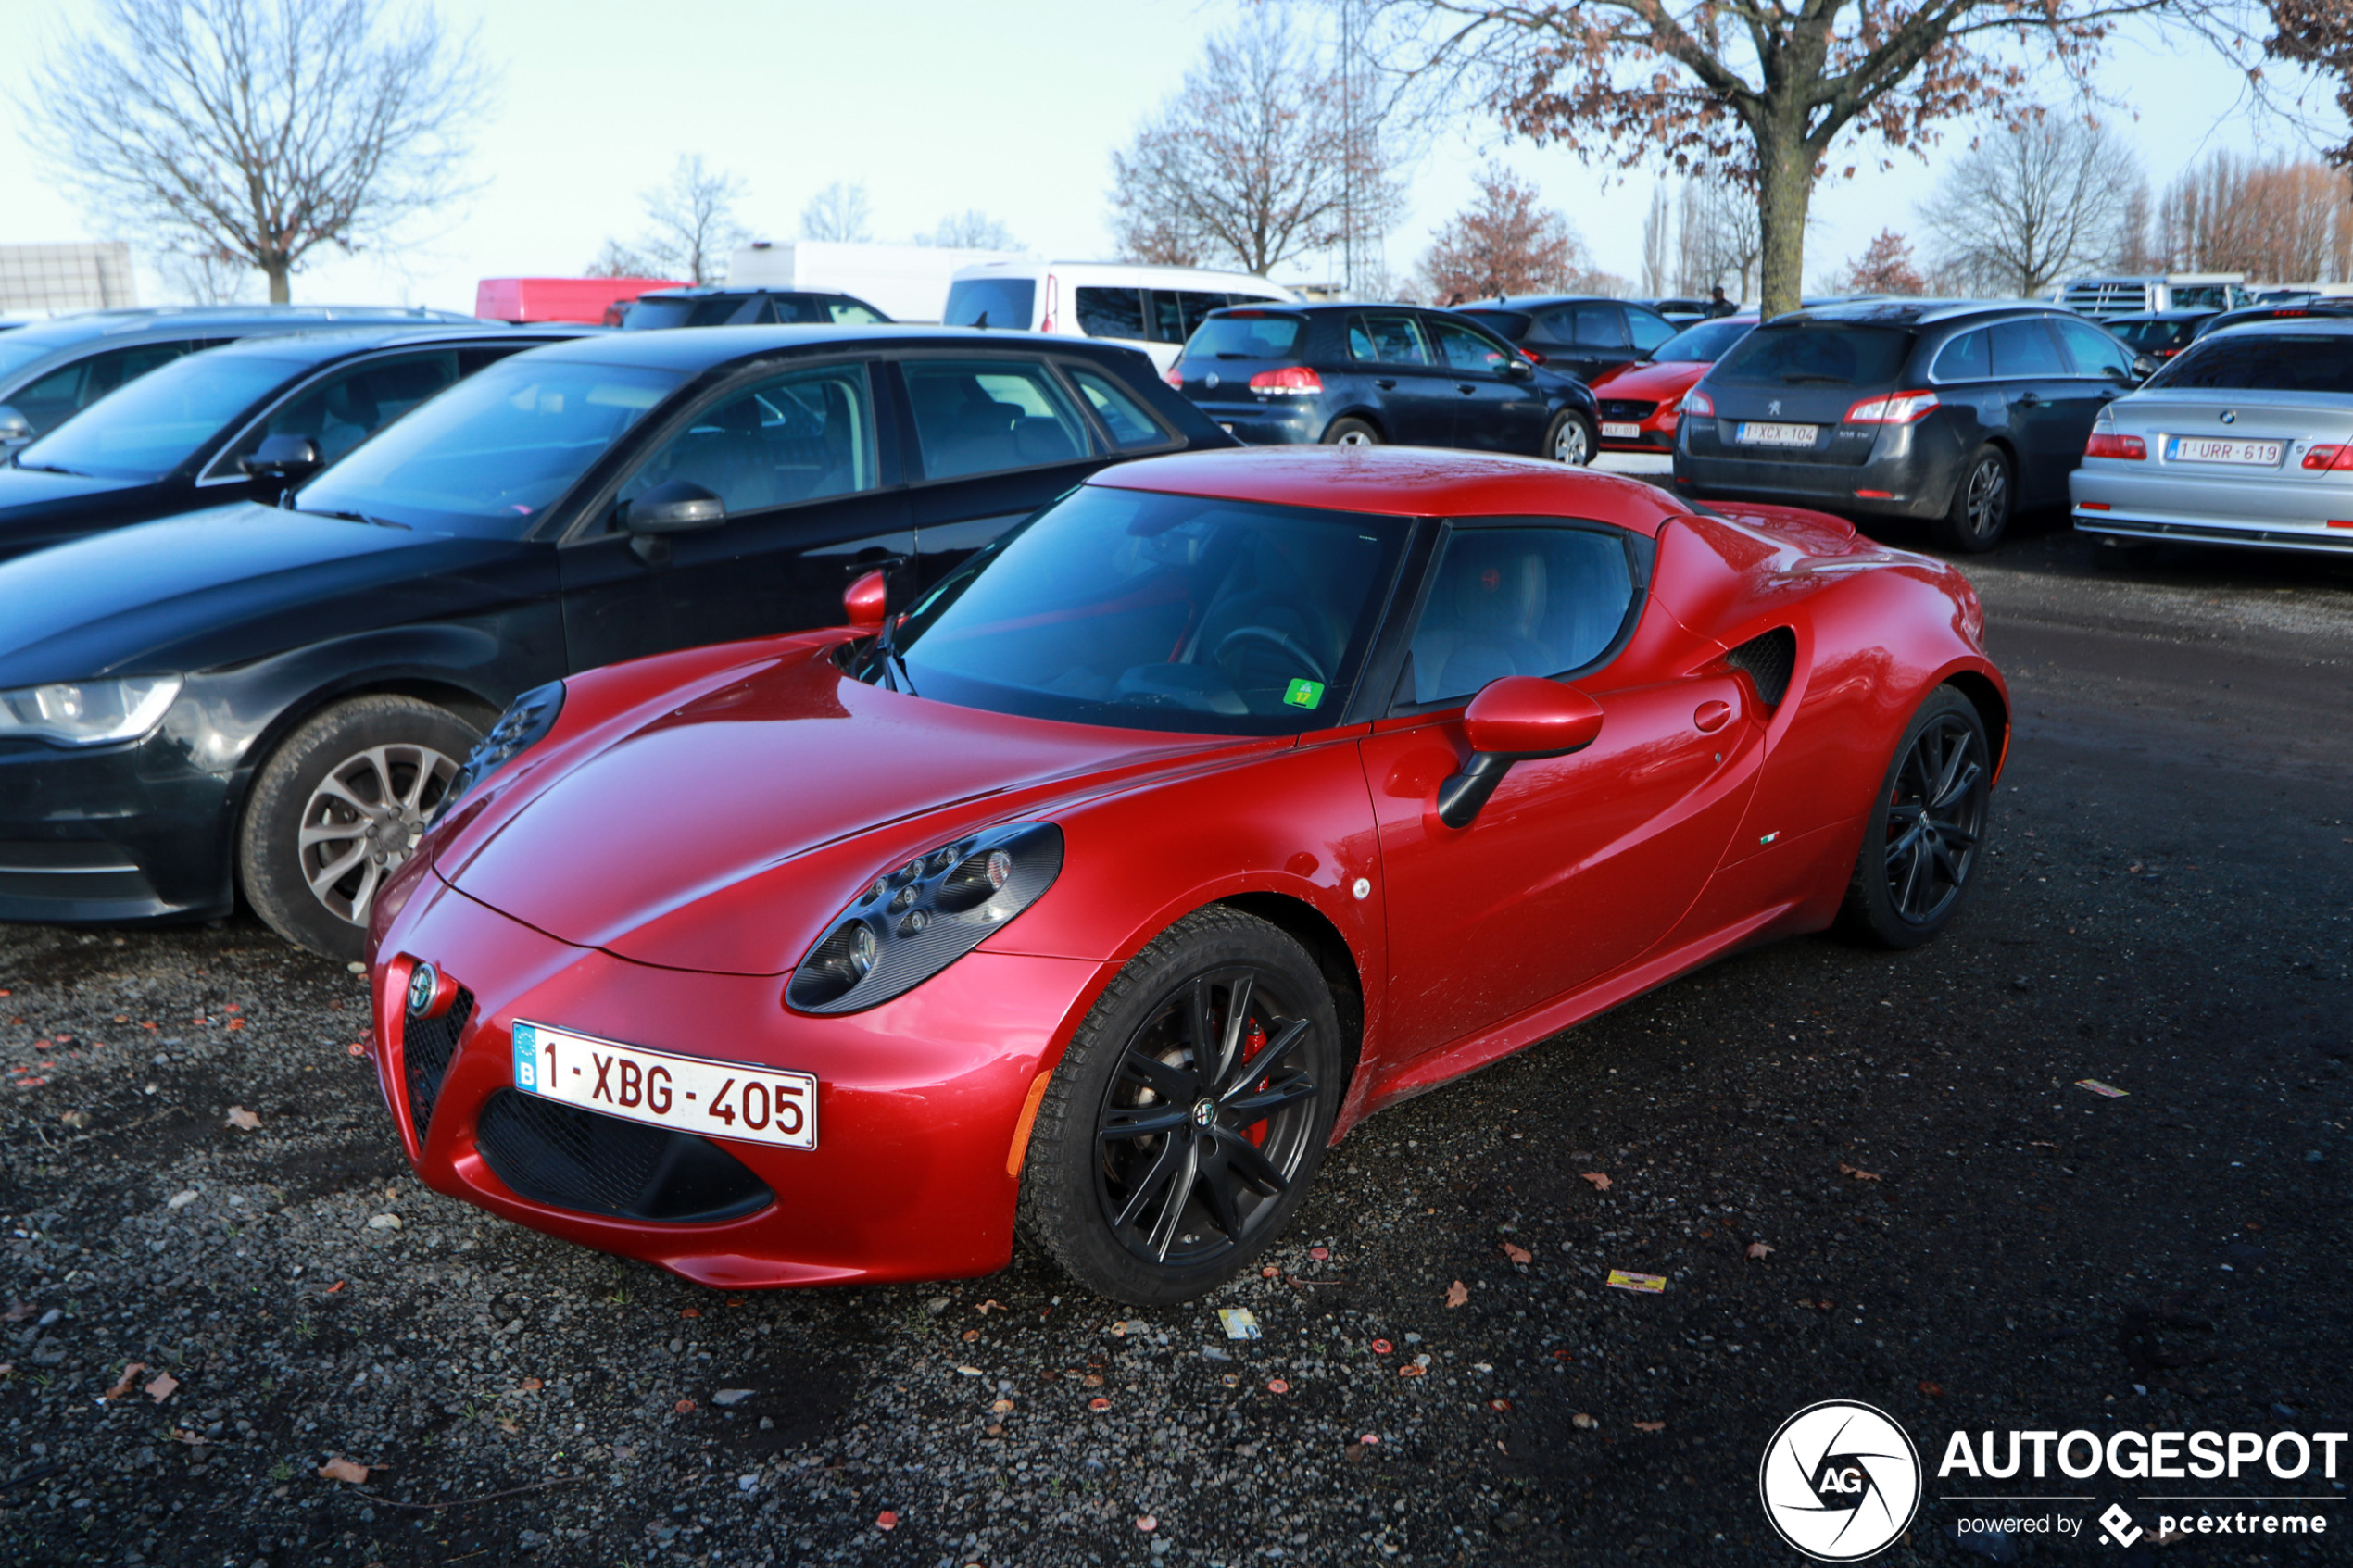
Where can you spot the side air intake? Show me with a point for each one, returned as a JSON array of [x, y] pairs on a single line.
[[1770, 661]]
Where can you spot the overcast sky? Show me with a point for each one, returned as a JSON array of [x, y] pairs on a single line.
[[1014, 106]]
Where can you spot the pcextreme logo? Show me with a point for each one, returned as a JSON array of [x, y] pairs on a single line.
[[1839, 1481]]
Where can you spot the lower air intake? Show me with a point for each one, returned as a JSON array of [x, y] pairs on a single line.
[[572, 1159], [1769, 660], [426, 1047]]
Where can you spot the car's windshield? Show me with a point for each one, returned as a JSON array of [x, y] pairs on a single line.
[[2261, 362], [1165, 612], [157, 423], [1702, 344], [486, 456], [991, 302], [1246, 334], [1809, 353], [709, 311], [2157, 336]]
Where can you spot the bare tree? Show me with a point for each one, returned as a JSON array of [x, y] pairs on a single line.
[[691, 229], [970, 230], [1257, 160], [617, 261], [208, 276], [1885, 267], [2277, 223], [1657, 228], [2030, 205], [837, 212], [1505, 242], [259, 128], [1717, 244], [2130, 252]]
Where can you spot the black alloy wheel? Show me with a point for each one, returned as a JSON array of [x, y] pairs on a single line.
[[1979, 511], [1927, 827], [1188, 1115]]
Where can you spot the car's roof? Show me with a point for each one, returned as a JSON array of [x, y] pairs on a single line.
[[320, 344], [1401, 482], [739, 291], [1545, 301], [705, 348], [2186, 314], [82, 326], [1919, 312], [2302, 326]]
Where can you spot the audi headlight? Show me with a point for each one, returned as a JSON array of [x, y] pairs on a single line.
[[87, 713], [523, 725], [912, 922]]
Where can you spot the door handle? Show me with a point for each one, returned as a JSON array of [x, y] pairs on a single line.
[[859, 568], [2030, 400], [1466, 387], [1712, 716], [1385, 385]]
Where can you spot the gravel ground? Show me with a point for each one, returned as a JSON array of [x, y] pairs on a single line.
[[1861, 1175]]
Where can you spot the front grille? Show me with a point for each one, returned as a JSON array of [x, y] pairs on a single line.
[[1769, 660], [574, 1158], [426, 1047], [1623, 411]]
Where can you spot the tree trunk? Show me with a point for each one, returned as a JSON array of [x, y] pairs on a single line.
[[274, 267], [1784, 190]]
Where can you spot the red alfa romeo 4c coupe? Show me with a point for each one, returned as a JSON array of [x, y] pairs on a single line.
[[1228, 799]]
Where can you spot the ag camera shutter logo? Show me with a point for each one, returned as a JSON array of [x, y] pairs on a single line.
[[1839, 1481]]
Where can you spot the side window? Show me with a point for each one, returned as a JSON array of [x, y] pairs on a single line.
[[346, 407], [1648, 331], [2094, 351], [2024, 348], [850, 313], [1464, 349], [796, 437], [1518, 601], [1600, 326], [1394, 340], [64, 392], [1554, 326], [984, 415], [1964, 358], [1130, 427], [1112, 312], [124, 365]]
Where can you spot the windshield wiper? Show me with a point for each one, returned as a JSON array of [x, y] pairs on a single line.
[[52, 468], [894, 670], [355, 517], [1795, 378]]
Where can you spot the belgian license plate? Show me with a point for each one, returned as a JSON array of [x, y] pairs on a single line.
[[1750, 434], [1611, 431], [716, 1099], [2207, 449]]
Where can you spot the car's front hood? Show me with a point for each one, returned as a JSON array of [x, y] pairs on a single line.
[[38, 508], [720, 826], [1659, 384], [211, 588]]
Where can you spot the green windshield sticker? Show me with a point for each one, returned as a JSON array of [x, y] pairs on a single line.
[[1303, 693]]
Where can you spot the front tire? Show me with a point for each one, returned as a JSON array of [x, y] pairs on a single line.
[[1182, 1126], [1926, 830], [1351, 433], [337, 807], [1570, 440], [1978, 514]]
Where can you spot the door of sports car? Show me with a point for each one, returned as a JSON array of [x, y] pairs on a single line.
[[1578, 863]]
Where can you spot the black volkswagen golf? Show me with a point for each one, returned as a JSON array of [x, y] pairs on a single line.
[[1358, 375], [272, 700], [1954, 412]]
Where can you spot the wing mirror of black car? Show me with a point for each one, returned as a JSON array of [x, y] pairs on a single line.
[[2143, 367], [15, 429], [281, 462], [1519, 370], [1516, 718], [676, 505]]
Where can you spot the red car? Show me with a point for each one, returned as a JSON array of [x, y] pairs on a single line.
[[1641, 401], [1225, 801]]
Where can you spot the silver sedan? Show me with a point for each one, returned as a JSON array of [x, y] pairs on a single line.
[[2244, 439]]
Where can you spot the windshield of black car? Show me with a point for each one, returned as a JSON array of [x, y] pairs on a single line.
[[2148, 337], [153, 424], [1248, 335], [488, 455], [705, 310], [1702, 344], [1139, 611], [2261, 362], [991, 302], [1815, 353]]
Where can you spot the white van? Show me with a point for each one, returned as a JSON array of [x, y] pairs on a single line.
[[1154, 309]]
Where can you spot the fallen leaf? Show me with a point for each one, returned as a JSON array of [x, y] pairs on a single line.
[[1319, 1253], [1146, 1522], [1098, 1403], [332, 1288], [1458, 1294], [886, 1519], [340, 1469], [1000, 1407], [162, 1387], [128, 1379], [1277, 1386], [1519, 1254], [1856, 1171], [684, 1407], [1650, 1426], [1499, 1406], [1600, 1182], [1933, 1391], [991, 1305], [529, 1386], [384, 1223], [690, 1311], [1758, 1249], [76, 1119], [20, 1311], [1093, 1380], [509, 1425], [1582, 1422], [1410, 1369], [971, 1335], [242, 1120], [1382, 1346]]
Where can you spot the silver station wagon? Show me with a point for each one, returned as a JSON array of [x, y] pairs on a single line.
[[2245, 438]]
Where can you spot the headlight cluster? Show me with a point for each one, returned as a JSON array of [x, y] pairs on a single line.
[[87, 713], [912, 922], [523, 725]]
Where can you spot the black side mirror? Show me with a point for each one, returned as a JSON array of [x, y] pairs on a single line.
[[281, 462], [15, 429], [2143, 367], [676, 506]]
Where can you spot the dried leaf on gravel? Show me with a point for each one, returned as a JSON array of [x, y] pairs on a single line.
[[1582, 1422], [1519, 1254], [162, 1386], [1856, 1172], [129, 1380], [242, 1120], [1098, 1403], [20, 1311], [992, 1304], [529, 1386], [998, 1407], [341, 1469], [1758, 1248], [1650, 1426], [384, 1223], [684, 1407], [1600, 1182], [1146, 1522], [1458, 1294], [1933, 1391], [886, 1519], [971, 1335]]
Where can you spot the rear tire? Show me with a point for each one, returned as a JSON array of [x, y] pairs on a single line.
[[1351, 433], [337, 807], [1570, 440], [1926, 832], [1978, 513]]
